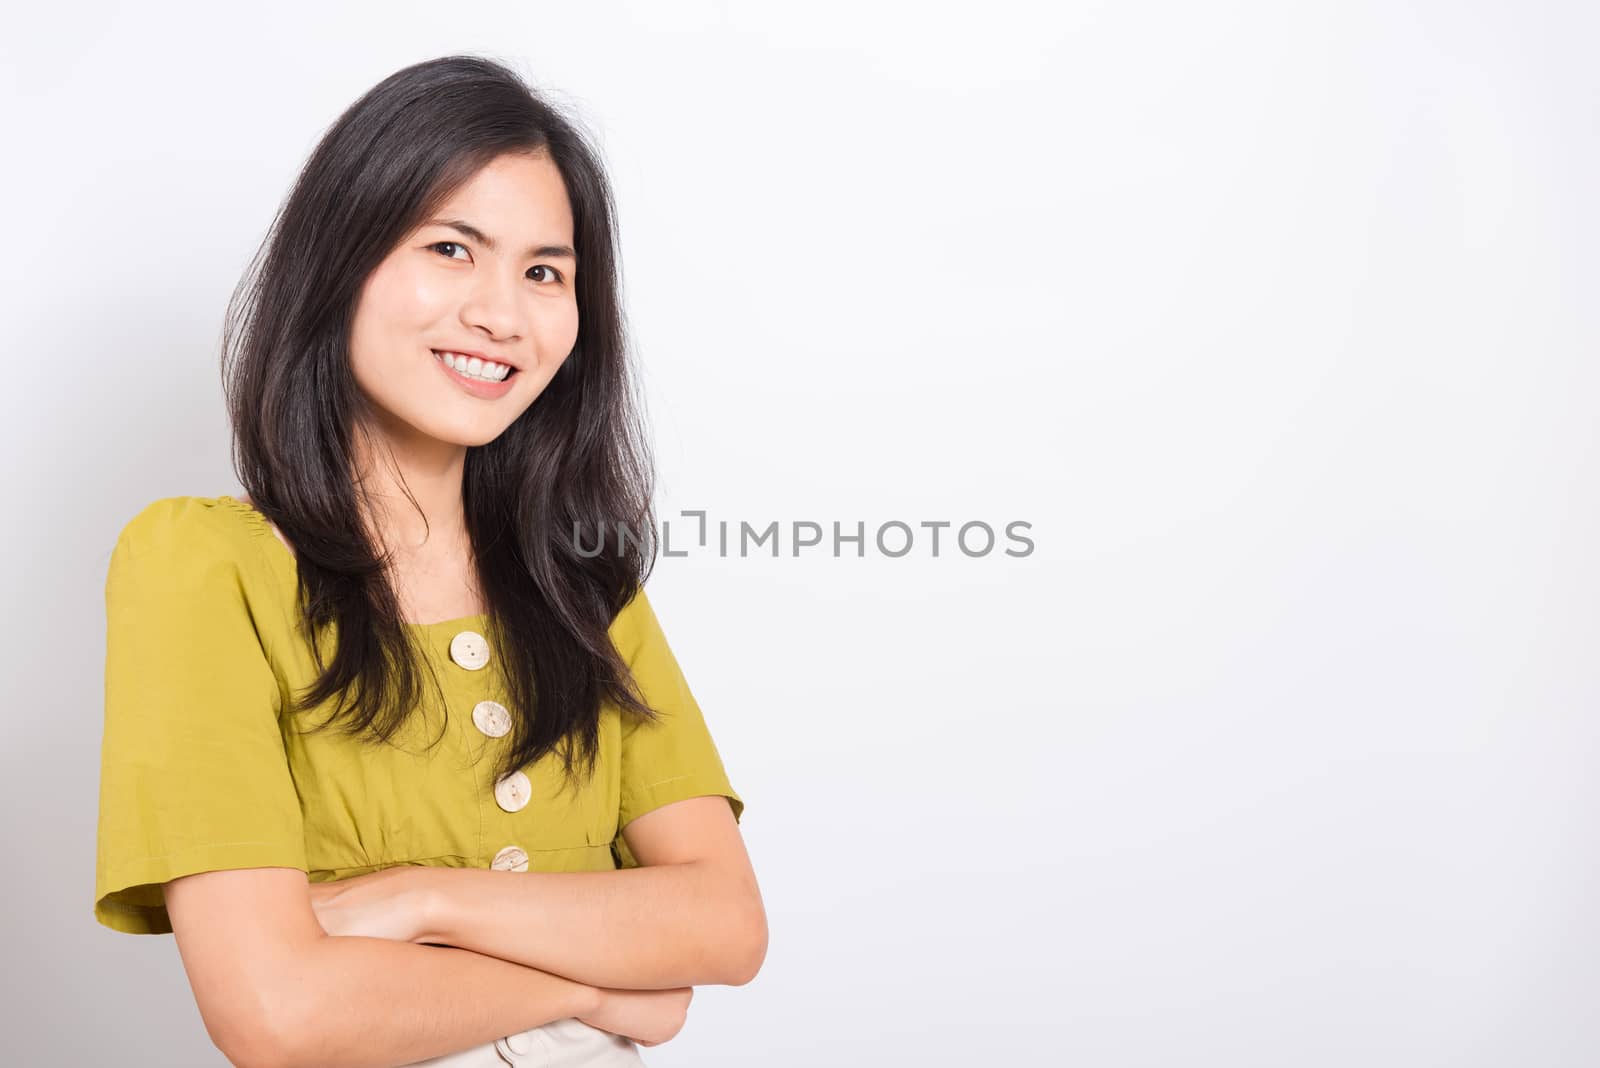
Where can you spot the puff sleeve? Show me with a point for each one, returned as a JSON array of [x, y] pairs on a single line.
[[193, 771], [675, 757]]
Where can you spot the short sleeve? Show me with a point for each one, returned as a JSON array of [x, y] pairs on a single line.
[[193, 771], [674, 757]]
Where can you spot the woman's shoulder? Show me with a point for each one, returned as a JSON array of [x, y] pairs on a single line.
[[190, 532], [636, 630]]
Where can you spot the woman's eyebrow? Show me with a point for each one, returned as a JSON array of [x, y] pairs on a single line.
[[537, 251]]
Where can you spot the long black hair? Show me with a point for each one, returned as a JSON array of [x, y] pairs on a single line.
[[538, 499]]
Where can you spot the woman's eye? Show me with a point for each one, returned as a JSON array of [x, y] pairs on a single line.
[[551, 273]]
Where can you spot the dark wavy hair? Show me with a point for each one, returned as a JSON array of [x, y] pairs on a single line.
[[572, 466]]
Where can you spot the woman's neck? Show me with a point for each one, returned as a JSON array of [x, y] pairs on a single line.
[[409, 494]]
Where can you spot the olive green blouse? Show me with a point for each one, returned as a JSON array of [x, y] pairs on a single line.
[[202, 768]]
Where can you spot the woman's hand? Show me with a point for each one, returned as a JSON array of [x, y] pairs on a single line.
[[380, 904], [649, 1017]]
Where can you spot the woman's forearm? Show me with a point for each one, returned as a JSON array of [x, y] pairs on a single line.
[[361, 1002], [649, 928]]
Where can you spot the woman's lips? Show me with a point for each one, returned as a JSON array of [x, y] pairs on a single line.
[[476, 386]]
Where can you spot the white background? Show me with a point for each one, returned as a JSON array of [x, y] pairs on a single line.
[[1276, 321]]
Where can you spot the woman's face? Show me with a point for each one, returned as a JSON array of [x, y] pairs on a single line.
[[491, 274]]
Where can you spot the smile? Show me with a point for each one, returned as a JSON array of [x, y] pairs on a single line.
[[476, 381], [473, 367]]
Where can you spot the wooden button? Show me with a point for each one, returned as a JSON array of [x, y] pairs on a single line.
[[512, 792], [492, 718], [511, 858], [469, 649]]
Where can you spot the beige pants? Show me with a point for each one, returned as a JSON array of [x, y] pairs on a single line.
[[568, 1043]]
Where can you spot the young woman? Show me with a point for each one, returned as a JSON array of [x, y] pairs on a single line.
[[394, 743]]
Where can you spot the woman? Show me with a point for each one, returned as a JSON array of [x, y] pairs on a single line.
[[447, 517]]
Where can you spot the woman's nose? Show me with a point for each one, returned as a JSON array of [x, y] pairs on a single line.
[[494, 304]]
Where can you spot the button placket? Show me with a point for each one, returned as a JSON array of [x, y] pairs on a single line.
[[469, 650]]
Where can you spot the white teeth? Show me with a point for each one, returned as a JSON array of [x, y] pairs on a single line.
[[472, 367]]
